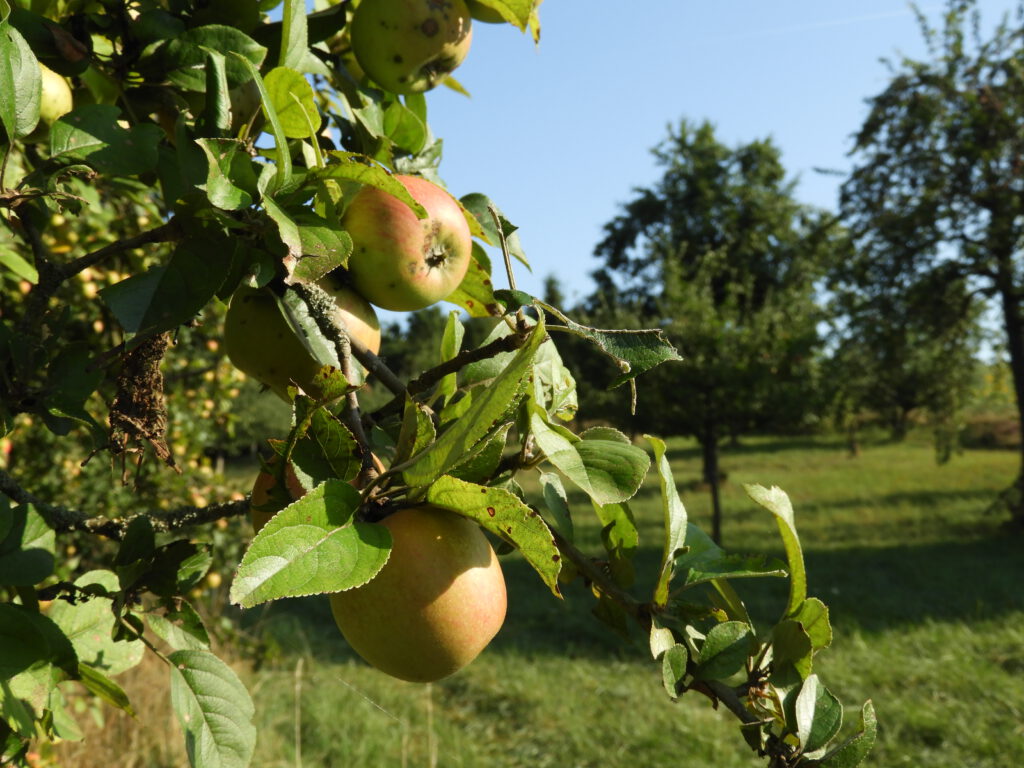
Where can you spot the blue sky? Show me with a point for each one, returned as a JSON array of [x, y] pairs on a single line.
[[560, 134]]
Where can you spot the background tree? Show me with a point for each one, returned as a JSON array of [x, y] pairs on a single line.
[[903, 351], [733, 259], [937, 192]]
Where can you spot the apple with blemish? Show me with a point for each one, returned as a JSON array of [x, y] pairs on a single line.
[[400, 262], [409, 46], [436, 604]]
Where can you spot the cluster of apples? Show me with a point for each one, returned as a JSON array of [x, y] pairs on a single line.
[[440, 598], [409, 46]]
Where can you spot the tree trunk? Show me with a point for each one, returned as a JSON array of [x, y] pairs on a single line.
[[1014, 324], [709, 446]]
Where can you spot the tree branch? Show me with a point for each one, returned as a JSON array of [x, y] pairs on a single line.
[[65, 520], [162, 234]]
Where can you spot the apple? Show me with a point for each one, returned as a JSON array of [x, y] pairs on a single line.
[[484, 13], [409, 46], [262, 506], [261, 342], [55, 96], [436, 604], [402, 263]]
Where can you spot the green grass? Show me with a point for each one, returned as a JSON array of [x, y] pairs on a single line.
[[924, 590]]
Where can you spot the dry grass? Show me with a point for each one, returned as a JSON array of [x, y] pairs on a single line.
[[113, 739]]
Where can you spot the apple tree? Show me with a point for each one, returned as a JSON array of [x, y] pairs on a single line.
[[229, 170]]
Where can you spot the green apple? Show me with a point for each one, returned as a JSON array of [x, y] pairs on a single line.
[[402, 263], [261, 342], [484, 13], [435, 605], [409, 46], [55, 97], [262, 505]]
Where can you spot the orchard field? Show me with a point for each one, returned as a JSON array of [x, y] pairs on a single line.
[[923, 588]]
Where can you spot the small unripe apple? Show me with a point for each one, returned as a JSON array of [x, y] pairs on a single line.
[[400, 262], [409, 46], [55, 97], [261, 342], [261, 506], [435, 605]]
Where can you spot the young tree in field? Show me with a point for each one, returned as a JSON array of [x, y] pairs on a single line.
[[193, 190], [722, 256], [937, 191]]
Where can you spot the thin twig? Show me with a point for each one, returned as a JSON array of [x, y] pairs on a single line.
[[429, 378], [162, 234]]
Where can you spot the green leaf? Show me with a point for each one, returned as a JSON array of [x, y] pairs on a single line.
[[733, 566], [351, 166], [661, 638], [311, 547], [170, 295], [18, 265], [184, 56], [488, 407], [20, 83], [32, 649], [283, 175], [516, 12], [91, 134], [505, 515], [102, 686], [674, 515], [819, 715], [791, 649], [213, 709], [451, 343], [405, 128], [182, 629], [294, 101], [485, 459], [479, 206], [26, 546], [813, 617], [89, 623], [417, 431], [324, 248], [725, 650], [634, 352], [294, 34], [216, 117], [777, 502], [557, 504], [609, 471], [673, 668], [620, 538], [230, 180], [852, 752], [337, 444]]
